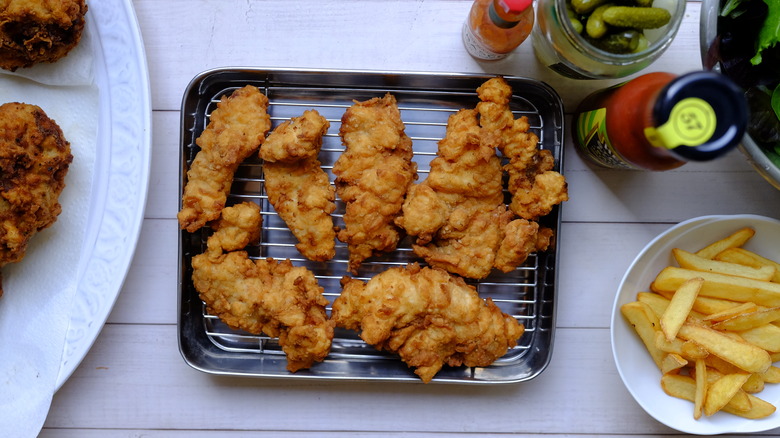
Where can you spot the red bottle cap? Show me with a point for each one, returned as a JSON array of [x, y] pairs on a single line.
[[514, 6]]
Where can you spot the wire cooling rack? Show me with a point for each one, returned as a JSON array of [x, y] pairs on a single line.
[[426, 100]]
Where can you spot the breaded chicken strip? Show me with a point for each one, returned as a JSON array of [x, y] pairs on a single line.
[[36, 31], [372, 177], [34, 159], [297, 187], [236, 129], [458, 213], [428, 317], [534, 186], [262, 296]]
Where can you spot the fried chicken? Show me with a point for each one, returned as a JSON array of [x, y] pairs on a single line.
[[458, 214], [262, 296], [372, 177], [297, 187], [34, 159], [534, 186], [236, 129], [37, 31], [428, 317]]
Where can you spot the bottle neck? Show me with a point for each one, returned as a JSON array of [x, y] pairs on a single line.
[[502, 18]]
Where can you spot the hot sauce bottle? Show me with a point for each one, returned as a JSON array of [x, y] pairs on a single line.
[[496, 27], [660, 121]]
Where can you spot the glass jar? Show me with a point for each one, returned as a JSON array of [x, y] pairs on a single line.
[[561, 48]]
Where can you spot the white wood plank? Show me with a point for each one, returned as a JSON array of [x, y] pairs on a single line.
[[134, 378], [183, 40]]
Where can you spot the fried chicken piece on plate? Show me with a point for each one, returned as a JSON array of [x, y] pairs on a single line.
[[34, 159], [262, 296], [297, 187], [428, 317], [37, 31], [534, 186], [236, 129], [373, 175]]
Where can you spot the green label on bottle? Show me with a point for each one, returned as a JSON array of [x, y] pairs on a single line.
[[691, 123], [592, 140]]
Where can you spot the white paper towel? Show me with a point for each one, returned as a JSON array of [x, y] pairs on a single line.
[[39, 290]]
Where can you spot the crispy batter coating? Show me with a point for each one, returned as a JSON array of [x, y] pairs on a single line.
[[262, 296], [236, 129], [34, 159], [534, 186], [458, 213], [428, 317], [372, 177], [297, 187], [36, 31]]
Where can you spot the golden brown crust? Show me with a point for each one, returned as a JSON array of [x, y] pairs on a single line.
[[37, 31], [34, 159]]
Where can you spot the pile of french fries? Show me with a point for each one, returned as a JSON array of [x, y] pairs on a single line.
[[712, 325]]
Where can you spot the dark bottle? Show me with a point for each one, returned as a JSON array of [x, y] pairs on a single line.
[[660, 121]]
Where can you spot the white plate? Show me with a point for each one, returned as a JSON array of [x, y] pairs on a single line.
[[637, 369], [121, 174]]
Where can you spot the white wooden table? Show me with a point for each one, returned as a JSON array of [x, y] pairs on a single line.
[[134, 382]]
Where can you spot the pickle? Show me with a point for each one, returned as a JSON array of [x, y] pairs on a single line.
[[644, 3], [625, 41], [586, 6], [575, 19], [636, 17], [595, 26], [643, 44]]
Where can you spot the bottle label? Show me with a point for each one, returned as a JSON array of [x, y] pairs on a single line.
[[692, 122], [476, 48], [592, 140]]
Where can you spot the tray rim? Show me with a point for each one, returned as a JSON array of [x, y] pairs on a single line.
[[558, 116]]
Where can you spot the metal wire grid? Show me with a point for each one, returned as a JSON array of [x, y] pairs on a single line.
[[516, 293]]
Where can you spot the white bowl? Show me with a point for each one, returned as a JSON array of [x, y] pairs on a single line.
[[638, 371]]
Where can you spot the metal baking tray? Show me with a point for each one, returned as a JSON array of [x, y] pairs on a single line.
[[426, 100]]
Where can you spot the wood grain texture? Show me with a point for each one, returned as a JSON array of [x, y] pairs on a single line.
[[135, 383]]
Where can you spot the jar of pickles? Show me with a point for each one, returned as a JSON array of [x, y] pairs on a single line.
[[604, 39]]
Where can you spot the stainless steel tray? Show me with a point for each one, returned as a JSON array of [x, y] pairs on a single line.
[[426, 100]]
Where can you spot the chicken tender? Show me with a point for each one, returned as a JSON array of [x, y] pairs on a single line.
[[428, 317], [372, 177], [34, 159], [262, 296], [37, 31], [297, 187], [458, 214], [534, 186], [236, 129]]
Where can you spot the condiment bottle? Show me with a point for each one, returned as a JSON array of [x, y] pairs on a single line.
[[496, 27], [659, 121]]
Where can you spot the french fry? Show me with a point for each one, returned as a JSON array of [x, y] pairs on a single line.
[[673, 362], [679, 307], [740, 401], [692, 261], [722, 391], [744, 355], [731, 312], [637, 317], [684, 387], [765, 336], [754, 384], [772, 375], [701, 388], [747, 321], [748, 258], [709, 305], [737, 239], [763, 293]]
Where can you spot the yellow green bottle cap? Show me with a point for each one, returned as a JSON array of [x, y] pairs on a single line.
[[699, 116]]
